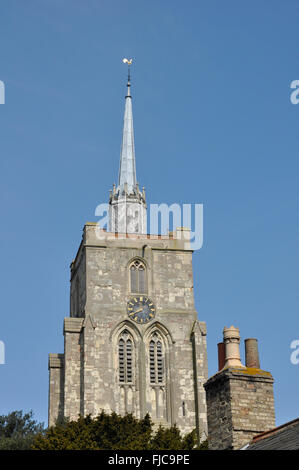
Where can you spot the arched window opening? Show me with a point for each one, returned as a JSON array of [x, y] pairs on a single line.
[[152, 362], [157, 391], [125, 358], [156, 361], [159, 362], [138, 277]]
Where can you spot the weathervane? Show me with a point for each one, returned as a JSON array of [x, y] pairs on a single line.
[[129, 62]]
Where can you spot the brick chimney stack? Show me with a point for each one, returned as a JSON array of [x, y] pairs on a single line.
[[240, 401]]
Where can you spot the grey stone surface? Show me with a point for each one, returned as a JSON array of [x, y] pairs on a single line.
[[100, 290], [56, 387], [240, 404]]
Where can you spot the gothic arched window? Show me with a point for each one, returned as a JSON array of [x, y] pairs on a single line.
[[157, 391], [125, 358], [138, 281], [156, 361]]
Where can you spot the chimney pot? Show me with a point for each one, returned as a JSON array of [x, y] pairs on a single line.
[[221, 355], [251, 353], [231, 338]]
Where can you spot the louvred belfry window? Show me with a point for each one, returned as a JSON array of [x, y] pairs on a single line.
[[125, 358], [138, 277], [156, 361]]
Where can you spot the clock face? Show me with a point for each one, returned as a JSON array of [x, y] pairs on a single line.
[[141, 309]]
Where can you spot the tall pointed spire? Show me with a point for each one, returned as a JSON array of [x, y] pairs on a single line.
[[127, 165], [127, 211]]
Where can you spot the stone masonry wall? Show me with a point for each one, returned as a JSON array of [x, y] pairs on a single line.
[[78, 284], [56, 387], [91, 342], [72, 367], [252, 404], [219, 412], [240, 404]]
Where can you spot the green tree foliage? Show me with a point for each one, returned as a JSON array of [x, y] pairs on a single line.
[[18, 430], [204, 445], [112, 432], [170, 438]]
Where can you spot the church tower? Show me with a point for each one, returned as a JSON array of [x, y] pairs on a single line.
[[132, 342]]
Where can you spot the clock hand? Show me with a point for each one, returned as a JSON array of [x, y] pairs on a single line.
[[137, 311], [133, 313]]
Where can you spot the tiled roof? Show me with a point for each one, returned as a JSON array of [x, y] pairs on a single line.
[[285, 437]]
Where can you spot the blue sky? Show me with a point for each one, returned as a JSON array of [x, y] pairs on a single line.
[[213, 124]]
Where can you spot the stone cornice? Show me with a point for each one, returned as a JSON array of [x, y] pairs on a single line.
[[72, 325], [244, 373], [56, 361]]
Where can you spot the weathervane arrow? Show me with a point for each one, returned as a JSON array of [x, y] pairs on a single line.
[[127, 61]]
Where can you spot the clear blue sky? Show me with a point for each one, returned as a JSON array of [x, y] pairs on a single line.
[[213, 124]]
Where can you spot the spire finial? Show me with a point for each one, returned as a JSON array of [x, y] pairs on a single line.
[[129, 62]]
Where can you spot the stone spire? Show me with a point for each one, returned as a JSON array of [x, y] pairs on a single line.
[[127, 166], [127, 213]]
